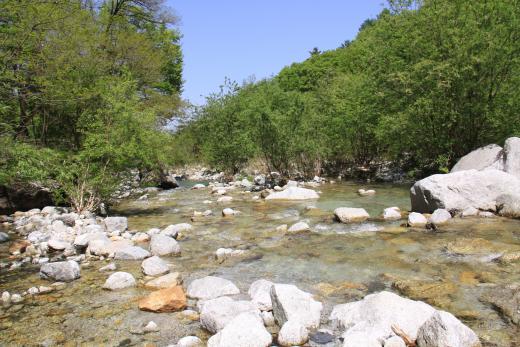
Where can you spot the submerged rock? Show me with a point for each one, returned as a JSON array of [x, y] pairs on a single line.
[[392, 213], [64, 271], [119, 280], [165, 300], [291, 303], [440, 216], [245, 330], [175, 229], [351, 215], [298, 228], [293, 193], [215, 314], [506, 300], [211, 287], [417, 220]]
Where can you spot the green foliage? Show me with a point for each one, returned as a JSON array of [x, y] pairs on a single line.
[[426, 80], [84, 92]]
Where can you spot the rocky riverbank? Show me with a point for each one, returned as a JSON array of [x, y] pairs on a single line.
[[113, 269]]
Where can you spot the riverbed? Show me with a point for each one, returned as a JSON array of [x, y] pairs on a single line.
[[451, 268]]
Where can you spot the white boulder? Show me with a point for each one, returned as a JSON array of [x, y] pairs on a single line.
[[119, 280], [293, 193], [291, 303], [215, 314], [245, 330], [417, 220], [211, 287], [154, 266], [164, 245], [293, 333], [351, 215], [442, 329]]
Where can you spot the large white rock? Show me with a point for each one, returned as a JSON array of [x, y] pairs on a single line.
[[350, 214], [260, 293], [245, 330], [211, 287], [215, 314], [119, 280], [164, 245], [512, 156], [376, 313], [291, 303], [442, 329], [487, 157], [116, 224], [293, 333], [154, 266], [461, 190], [293, 193], [63, 271]]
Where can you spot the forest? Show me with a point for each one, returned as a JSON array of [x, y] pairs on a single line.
[[420, 86], [88, 88]]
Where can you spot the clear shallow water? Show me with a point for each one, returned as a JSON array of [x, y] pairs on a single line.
[[336, 262]]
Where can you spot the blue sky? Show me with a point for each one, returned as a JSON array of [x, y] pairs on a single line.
[[241, 38]]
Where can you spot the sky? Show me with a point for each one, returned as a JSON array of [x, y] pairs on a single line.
[[239, 39]]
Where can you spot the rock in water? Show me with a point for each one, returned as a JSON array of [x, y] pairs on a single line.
[[245, 330], [291, 303], [3, 237], [442, 329], [298, 228], [215, 314], [293, 193], [440, 216], [164, 300], [154, 266], [462, 190], [392, 213], [165, 281], [119, 280], [164, 245], [131, 253], [64, 271], [487, 157], [351, 215], [293, 333], [512, 156], [211, 287], [190, 341], [116, 224], [416, 220]]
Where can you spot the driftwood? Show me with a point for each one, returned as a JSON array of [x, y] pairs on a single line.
[[407, 340]]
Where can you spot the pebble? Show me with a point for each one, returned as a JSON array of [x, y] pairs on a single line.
[[151, 327]]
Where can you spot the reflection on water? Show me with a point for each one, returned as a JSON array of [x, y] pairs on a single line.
[[450, 268]]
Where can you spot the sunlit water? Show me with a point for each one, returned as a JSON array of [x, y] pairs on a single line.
[[336, 262]]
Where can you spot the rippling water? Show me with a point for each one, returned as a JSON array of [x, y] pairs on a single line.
[[336, 262]]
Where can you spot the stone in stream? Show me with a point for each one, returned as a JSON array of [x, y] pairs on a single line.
[[293, 333], [57, 244], [116, 224], [245, 330], [442, 329], [83, 240], [223, 253], [505, 300], [215, 314], [392, 213], [293, 193], [440, 216], [151, 327], [119, 280], [64, 271], [291, 303], [109, 267], [198, 186], [417, 220], [6, 297], [225, 199], [131, 253], [165, 281], [154, 266], [164, 245], [298, 228], [190, 341], [3, 237], [351, 215], [211, 287], [229, 212], [363, 192], [260, 293], [175, 229], [165, 300], [456, 192]]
